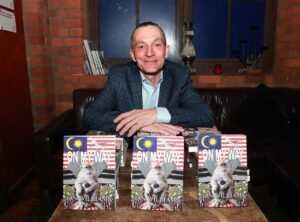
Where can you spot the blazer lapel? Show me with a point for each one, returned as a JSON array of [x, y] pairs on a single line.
[[135, 84], [165, 89]]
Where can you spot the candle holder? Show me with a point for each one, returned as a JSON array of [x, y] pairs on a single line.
[[188, 53], [250, 59]]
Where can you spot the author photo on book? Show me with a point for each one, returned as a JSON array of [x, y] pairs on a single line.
[[150, 93]]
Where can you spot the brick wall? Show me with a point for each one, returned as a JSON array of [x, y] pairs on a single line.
[[287, 55], [54, 31], [39, 60]]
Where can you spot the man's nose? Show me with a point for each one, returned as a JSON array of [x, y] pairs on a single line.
[[150, 51]]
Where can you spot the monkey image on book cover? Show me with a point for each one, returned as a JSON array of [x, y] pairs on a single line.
[[89, 172], [223, 175], [157, 173]]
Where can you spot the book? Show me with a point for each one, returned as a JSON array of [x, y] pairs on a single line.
[[89, 172], [157, 173], [121, 152], [98, 63], [89, 56], [121, 144], [86, 67], [122, 147], [223, 175], [144, 133], [191, 140], [194, 132]]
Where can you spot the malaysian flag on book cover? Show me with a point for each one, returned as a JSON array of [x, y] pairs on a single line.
[[157, 173], [222, 170], [191, 140], [89, 172]]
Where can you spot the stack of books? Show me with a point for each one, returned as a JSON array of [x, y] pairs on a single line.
[[94, 64], [222, 173], [157, 173], [91, 166], [89, 172]]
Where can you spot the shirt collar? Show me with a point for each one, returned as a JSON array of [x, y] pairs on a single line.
[[144, 80]]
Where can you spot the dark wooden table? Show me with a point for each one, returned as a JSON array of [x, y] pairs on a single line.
[[191, 211]]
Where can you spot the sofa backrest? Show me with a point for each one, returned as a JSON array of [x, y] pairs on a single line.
[[81, 97], [223, 101]]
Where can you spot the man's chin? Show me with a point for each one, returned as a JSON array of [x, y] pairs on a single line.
[[150, 73], [149, 69]]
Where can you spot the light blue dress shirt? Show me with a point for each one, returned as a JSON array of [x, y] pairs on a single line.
[[150, 95]]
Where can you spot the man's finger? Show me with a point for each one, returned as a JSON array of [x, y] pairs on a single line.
[[174, 128], [125, 122], [123, 116], [133, 130], [170, 131], [126, 127], [166, 129]]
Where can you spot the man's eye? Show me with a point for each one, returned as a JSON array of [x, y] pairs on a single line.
[[158, 44], [140, 46]]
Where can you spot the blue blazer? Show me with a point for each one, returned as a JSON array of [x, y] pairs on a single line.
[[123, 92]]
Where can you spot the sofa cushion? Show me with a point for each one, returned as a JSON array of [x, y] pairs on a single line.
[[271, 143], [284, 180], [263, 110], [292, 129]]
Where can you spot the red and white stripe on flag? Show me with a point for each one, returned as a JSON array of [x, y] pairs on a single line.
[[233, 146], [169, 149], [98, 147]]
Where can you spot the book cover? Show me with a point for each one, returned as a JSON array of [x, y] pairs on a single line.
[[121, 145], [143, 133], [89, 56], [157, 173], [86, 67], [191, 136], [98, 62], [222, 170], [89, 172], [121, 152]]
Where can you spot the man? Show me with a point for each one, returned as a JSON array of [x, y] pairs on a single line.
[[150, 93]]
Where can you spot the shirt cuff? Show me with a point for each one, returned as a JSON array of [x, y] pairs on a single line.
[[163, 115]]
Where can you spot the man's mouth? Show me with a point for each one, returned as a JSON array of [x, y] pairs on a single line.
[[150, 61]]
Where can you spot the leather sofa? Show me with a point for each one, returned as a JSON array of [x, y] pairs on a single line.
[[268, 116]]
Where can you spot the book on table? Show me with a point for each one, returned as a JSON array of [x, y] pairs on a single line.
[[90, 172], [223, 175], [191, 136], [157, 173], [191, 142], [121, 144]]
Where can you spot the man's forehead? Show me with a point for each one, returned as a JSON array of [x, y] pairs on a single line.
[[148, 40], [147, 32]]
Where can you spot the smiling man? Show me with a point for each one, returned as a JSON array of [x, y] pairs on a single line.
[[150, 93]]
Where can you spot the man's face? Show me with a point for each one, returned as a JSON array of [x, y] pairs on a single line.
[[148, 50]]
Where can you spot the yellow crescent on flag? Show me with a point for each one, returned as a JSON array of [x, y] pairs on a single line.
[[203, 142], [137, 143], [68, 143]]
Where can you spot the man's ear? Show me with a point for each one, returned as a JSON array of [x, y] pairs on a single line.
[[132, 55], [167, 51]]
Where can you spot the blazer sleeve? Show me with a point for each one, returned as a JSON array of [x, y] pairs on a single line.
[[192, 110], [99, 114]]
